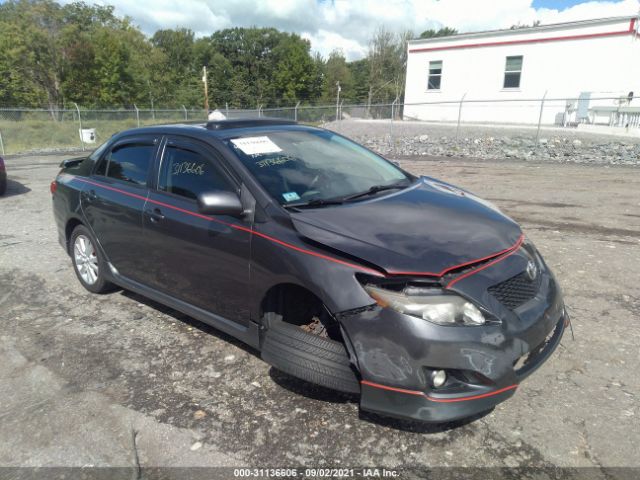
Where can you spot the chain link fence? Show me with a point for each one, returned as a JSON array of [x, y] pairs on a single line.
[[25, 130], [42, 130]]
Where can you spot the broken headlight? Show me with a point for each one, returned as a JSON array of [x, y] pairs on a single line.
[[430, 304]]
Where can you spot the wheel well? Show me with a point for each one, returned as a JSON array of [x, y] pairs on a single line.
[[298, 306], [69, 228]]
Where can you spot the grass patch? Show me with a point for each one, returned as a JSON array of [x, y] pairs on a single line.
[[45, 134]]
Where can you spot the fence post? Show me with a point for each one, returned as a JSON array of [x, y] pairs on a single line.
[[80, 122], [137, 114], [2, 144], [226, 107], [186, 116], [460, 114], [393, 116], [295, 112], [540, 116]]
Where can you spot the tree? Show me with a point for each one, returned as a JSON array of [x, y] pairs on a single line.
[[73, 52], [387, 59], [267, 66], [178, 46], [336, 69], [519, 25], [296, 76], [35, 52], [442, 32], [55, 54], [360, 70]]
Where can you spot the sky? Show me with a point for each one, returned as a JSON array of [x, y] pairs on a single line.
[[348, 24]]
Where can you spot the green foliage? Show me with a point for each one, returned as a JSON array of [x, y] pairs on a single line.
[[387, 61], [336, 69], [519, 25], [443, 32], [54, 55]]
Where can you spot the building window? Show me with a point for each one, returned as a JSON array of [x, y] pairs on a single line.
[[435, 75], [512, 72]]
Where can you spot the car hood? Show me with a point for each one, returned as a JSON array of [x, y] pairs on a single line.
[[426, 228]]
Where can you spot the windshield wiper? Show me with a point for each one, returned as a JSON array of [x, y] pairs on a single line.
[[318, 202], [375, 189]]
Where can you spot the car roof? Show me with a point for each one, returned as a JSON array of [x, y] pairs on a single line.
[[221, 129]]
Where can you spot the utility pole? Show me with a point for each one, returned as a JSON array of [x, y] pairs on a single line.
[[153, 112], [338, 101], [206, 91]]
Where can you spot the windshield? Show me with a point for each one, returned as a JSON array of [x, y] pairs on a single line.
[[302, 166]]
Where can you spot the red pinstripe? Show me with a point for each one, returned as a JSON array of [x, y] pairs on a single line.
[[487, 265], [515, 246], [236, 227], [507, 251], [435, 399]]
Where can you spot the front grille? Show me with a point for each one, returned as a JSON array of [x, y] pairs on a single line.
[[515, 291]]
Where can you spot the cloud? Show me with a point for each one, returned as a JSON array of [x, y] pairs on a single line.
[[348, 24]]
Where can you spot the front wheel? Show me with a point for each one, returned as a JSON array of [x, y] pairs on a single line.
[[88, 262], [308, 356]]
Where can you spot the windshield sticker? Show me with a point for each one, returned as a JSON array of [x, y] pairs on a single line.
[[256, 145], [189, 168], [269, 162], [291, 196]]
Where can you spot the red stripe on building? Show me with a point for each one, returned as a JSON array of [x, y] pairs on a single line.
[[630, 30]]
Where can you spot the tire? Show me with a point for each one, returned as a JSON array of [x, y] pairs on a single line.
[[88, 262], [307, 356], [3, 185]]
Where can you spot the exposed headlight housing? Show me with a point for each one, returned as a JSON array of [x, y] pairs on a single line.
[[432, 305]]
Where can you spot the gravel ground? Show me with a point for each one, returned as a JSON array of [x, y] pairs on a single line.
[[492, 142], [117, 380]]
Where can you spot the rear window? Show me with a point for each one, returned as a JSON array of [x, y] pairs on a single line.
[[130, 162]]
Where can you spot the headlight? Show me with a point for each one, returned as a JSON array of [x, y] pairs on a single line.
[[429, 304]]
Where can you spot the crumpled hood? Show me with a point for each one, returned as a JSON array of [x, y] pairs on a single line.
[[427, 228]]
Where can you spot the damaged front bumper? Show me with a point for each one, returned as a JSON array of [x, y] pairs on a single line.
[[396, 355]]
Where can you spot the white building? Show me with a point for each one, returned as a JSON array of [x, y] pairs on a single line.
[[588, 60]]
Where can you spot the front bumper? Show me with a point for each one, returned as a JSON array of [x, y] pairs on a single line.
[[444, 407], [396, 353]]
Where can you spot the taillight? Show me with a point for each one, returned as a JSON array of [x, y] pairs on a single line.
[[53, 187]]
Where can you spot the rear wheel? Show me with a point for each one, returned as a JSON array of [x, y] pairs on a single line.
[[88, 262]]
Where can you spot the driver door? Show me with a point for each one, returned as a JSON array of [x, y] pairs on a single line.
[[204, 262]]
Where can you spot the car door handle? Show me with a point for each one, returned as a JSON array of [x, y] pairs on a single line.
[[155, 215]]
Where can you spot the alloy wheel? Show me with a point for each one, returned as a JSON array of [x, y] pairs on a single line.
[[86, 259]]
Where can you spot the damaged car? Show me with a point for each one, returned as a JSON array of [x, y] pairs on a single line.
[[339, 266]]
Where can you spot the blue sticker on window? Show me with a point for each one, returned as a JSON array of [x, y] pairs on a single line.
[[291, 196]]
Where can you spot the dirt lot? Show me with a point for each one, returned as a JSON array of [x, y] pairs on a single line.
[[114, 380]]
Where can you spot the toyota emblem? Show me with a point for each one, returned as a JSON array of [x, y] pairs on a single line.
[[532, 270]]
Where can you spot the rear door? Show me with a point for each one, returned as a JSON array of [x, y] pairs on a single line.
[[113, 200], [199, 259]]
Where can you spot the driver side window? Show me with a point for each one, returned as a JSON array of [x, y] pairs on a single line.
[[188, 173]]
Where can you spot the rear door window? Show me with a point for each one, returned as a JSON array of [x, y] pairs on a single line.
[[130, 162], [188, 172]]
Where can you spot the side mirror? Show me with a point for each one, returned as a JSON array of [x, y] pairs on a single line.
[[218, 202]]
